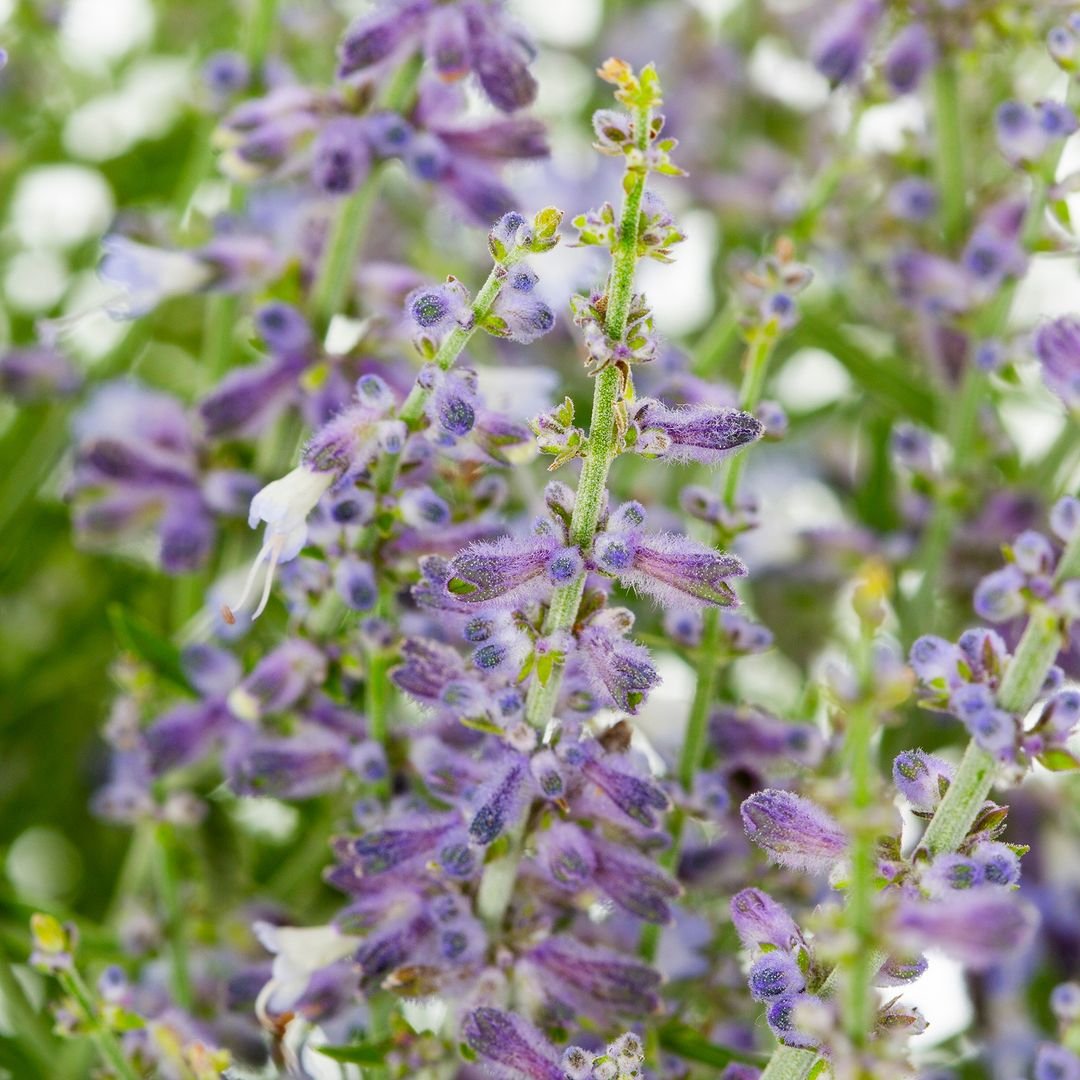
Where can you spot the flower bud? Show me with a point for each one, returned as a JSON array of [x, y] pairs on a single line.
[[793, 830]]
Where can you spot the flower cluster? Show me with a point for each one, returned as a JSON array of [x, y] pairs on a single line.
[[436, 766]]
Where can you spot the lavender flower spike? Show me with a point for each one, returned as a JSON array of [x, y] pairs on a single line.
[[694, 432], [508, 1040], [793, 830]]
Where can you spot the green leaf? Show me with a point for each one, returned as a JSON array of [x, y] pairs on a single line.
[[138, 636], [359, 1053], [1058, 759], [688, 1043]]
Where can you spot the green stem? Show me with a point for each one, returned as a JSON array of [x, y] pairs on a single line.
[[717, 339], [258, 31], [167, 874], [343, 248], [761, 346], [600, 448], [29, 1029], [949, 152], [1063, 449], [106, 1042], [497, 884], [413, 408], [787, 1063]]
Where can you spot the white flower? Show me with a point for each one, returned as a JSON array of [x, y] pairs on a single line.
[[299, 952], [284, 505]]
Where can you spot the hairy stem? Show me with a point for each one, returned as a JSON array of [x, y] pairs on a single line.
[[600, 449], [413, 407]]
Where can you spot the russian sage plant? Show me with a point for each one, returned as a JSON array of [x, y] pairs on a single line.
[[721, 750]]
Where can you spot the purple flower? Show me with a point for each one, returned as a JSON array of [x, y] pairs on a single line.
[[640, 799], [247, 398], [500, 59], [279, 680], [1057, 347], [625, 669], [446, 42], [597, 981], [782, 1018], [839, 47], [437, 308], [759, 920], [1056, 1063], [226, 73], [341, 156], [399, 847], [674, 570], [298, 767], [499, 804], [775, 975], [283, 328], [998, 863], [634, 881], [793, 830], [37, 374], [693, 432], [505, 572], [566, 857], [1020, 134], [507, 1040], [922, 779], [910, 56], [978, 926], [520, 316], [355, 582], [375, 37]]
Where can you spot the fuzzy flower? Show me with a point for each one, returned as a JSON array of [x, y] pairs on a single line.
[[793, 830], [505, 1039], [910, 56], [694, 432], [674, 570], [759, 920], [922, 779], [978, 927], [506, 572], [1057, 347], [840, 45]]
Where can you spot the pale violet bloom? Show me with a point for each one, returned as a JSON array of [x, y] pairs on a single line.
[[299, 952], [284, 505], [147, 275]]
